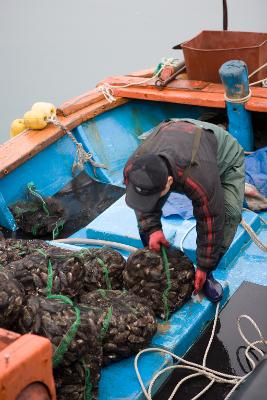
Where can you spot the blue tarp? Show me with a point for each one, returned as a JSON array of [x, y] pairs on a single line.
[[256, 170], [256, 175]]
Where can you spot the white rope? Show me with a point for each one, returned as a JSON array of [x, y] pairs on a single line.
[[106, 88], [81, 156], [202, 370], [248, 229], [240, 100], [253, 236], [184, 236], [263, 81], [257, 70]]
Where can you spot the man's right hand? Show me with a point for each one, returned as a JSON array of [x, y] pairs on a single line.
[[156, 239]]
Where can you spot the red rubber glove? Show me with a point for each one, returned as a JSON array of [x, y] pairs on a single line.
[[200, 279], [156, 239]]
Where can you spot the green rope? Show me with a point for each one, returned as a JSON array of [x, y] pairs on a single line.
[[34, 229], [105, 272], [49, 278], [158, 68], [34, 193], [103, 293], [69, 336], [42, 252], [71, 333], [20, 211], [88, 384], [106, 322], [165, 294], [58, 228]]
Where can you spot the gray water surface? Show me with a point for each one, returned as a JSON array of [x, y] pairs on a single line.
[[56, 49]]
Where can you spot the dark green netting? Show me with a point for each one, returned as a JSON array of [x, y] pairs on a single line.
[[126, 324], [165, 281], [38, 215]]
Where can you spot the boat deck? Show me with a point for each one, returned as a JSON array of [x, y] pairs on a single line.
[[227, 346], [244, 261]]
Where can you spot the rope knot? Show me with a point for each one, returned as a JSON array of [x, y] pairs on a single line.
[[107, 92]]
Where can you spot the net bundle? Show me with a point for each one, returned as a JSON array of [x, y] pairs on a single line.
[[40, 217], [16, 249], [165, 281], [103, 269], [74, 336], [74, 382], [11, 300], [127, 325], [50, 270]]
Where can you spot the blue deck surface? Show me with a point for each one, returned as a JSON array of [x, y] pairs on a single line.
[[243, 261]]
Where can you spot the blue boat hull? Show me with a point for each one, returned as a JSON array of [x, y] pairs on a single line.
[[111, 137]]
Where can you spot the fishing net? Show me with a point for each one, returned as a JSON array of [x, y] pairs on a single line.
[[126, 324], [11, 299], [103, 269], [50, 270], [39, 216], [74, 336], [74, 382], [16, 249], [165, 281]]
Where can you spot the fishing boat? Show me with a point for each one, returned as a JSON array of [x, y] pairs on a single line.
[[83, 149]]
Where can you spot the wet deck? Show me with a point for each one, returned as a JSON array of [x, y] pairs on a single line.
[[227, 351]]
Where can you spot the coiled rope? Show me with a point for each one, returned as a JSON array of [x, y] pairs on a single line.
[[239, 100], [107, 89], [201, 369]]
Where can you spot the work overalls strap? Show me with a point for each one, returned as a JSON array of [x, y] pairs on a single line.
[[195, 147], [144, 146]]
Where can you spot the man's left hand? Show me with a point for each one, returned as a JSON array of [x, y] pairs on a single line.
[[200, 279]]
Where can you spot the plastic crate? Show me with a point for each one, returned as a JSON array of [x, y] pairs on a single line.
[[25, 367], [206, 52]]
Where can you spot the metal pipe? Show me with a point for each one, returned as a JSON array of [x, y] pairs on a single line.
[[225, 15]]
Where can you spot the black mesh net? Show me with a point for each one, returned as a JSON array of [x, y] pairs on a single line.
[[127, 325], [165, 283], [40, 218]]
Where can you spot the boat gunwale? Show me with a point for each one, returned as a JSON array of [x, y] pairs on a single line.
[[82, 108]]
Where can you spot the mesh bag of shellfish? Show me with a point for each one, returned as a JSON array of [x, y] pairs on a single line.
[[11, 299], [74, 382], [103, 269], [40, 217], [127, 325], [49, 270], [165, 281], [16, 249], [73, 333]]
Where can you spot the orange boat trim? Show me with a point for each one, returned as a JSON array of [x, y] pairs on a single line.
[[92, 103]]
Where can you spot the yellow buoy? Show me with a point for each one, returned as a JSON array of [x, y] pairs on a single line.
[[47, 108], [17, 126], [35, 119]]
